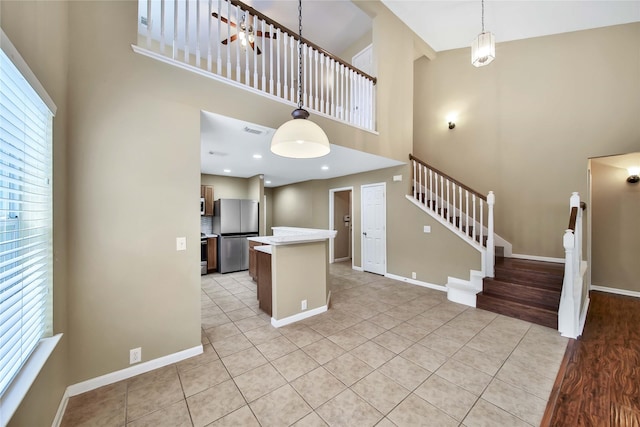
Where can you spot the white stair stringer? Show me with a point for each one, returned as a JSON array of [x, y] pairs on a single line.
[[464, 291]]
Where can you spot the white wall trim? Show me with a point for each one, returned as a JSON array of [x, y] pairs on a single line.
[[297, 317], [537, 258], [132, 371], [23, 381], [61, 408], [416, 282], [617, 291]]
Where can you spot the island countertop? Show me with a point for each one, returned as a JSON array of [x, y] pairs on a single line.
[[294, 235]]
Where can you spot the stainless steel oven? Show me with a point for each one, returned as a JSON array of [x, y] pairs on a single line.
[[203, 254]]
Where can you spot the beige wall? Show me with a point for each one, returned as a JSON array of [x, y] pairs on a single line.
[[529, 121], [290, 264], [433, 256], [615, 207], [39, 30], [226, 187], [268, 209]]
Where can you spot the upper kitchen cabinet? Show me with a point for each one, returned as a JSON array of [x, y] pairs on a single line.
[[206, 192]]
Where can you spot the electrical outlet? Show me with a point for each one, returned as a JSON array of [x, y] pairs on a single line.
[[135, 355], [413, 275], [427, 229], [303, 304], [181, 243]]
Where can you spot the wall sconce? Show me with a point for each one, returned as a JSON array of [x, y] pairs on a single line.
[[451, 120], [633, 175]]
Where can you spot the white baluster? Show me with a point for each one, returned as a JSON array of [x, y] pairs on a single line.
[[210, 37], [217, 43], [285, 65], [308, 95], [491, 253], [424, 201], [441, 196], [419, 182], [264, 54], [174, 52], [162, 41], [481, 222], [414, 179], [275, 37], [453, 204], [448, 204], [460, 208], [473, 203], [148, 24], [247, 51], [294, 60], [255, 54], [431, 203], [198, 32], [238, 69], [327, 107], [186, 31], [316, 79], [466, 211], [229, 69], [322, 88]]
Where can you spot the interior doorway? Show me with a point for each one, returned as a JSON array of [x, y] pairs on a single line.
[[374, 225], [341, 220]]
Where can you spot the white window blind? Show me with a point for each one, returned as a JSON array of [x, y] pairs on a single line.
[[25, 220]]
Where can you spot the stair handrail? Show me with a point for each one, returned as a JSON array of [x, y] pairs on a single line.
[[447, 197], [571, 298], [458, 183]]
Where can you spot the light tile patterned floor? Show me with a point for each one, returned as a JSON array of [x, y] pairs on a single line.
[[387, 353]]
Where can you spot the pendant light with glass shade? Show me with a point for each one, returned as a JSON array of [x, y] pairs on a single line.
[[483, 47], [300, 138]]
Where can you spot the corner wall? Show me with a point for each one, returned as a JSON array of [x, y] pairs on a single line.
[[39, 30], [528, 122]]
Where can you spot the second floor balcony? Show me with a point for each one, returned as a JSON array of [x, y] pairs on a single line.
[[229, 40]]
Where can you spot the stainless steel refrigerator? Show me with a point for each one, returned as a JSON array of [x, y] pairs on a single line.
[[233, 221]]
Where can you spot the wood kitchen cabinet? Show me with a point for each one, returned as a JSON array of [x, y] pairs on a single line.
[[264, 281], [253, 261], [212, 254], [206, 191]]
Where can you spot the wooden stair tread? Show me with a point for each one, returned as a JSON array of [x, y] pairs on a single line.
[[553, 268], [538, 283], [526, 295]]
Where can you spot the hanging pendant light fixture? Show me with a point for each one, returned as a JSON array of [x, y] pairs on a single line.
[[300, 138], [483, 48]]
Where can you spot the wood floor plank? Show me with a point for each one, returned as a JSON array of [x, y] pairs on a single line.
[[599, 382]]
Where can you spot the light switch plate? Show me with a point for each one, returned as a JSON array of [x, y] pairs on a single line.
[[181, 243], [397, 177], [427, 229]]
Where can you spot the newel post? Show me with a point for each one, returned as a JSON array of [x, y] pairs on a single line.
[[491, 252], [567, 323]]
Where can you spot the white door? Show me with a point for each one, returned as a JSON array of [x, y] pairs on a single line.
[[374, 238]]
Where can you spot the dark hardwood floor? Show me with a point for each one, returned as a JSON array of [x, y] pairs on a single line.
[[599, 381]]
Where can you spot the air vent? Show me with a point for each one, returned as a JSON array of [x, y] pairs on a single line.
[[218, 153], [253, 131]]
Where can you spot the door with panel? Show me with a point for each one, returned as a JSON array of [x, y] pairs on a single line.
[[374, 236]]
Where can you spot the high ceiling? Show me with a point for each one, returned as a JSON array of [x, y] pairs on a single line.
[[337, 24]]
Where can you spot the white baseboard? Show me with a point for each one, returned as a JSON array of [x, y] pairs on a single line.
[[537, 258], [132, 371], [625, 292], [357, 268], [61, 408], [297, 317], [343, 259], [416, 282]]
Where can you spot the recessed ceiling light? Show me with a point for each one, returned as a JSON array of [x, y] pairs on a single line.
[[257, 156], [227, 170], [325, 168], [267, 182]]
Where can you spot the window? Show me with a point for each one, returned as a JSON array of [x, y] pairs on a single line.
[[26, 278]]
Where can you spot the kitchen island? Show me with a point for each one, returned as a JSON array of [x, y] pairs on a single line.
[[292, 269]]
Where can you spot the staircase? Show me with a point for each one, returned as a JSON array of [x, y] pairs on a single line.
[[527, 290]]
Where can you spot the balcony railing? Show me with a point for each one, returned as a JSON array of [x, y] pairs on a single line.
[[234, 42]]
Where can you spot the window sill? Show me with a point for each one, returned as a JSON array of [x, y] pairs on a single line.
[[19, 387]]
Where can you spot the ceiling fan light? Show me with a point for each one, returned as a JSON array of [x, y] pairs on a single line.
[[483, 49], [300, 138]]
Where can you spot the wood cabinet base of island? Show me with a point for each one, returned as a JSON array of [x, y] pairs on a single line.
[[263, 270]]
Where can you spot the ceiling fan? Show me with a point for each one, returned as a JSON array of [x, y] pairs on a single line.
[[245, 32]]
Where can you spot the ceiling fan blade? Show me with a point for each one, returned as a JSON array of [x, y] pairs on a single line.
[[232, 38], [253, 46], [223, 19]]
